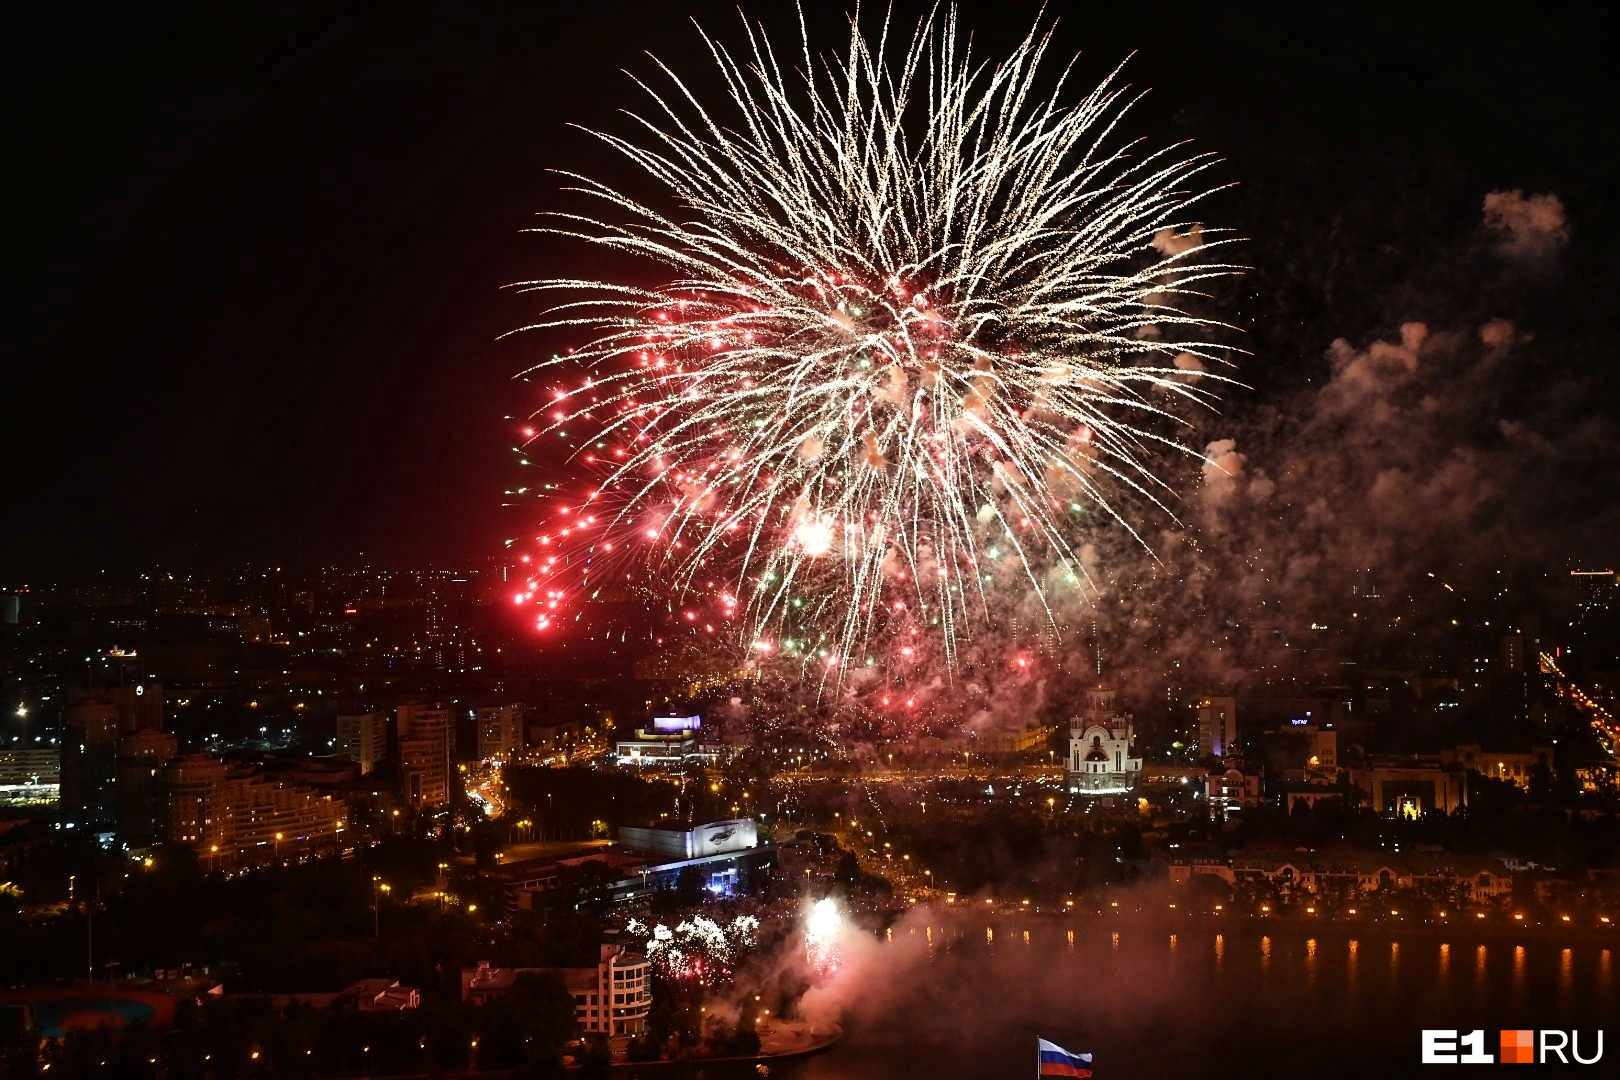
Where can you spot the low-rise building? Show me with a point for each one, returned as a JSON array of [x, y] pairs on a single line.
[[724, 856], [613, 998], [1228, 790], [379, 995], [235, 815], [1515, 766], [1411, 788], [1298, 874], [671, 742]]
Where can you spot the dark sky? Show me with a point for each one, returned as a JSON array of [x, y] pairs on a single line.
[[257, 296]]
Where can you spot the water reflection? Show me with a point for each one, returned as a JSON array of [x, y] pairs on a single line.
[[1309, 966], [1518, 974]]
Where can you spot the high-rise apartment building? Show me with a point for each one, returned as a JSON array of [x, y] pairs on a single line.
[[363, 739], [141, 757], [89, 755], [500, 732], [426, 735]]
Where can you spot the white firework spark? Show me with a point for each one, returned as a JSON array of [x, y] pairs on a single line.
[[919, 314]]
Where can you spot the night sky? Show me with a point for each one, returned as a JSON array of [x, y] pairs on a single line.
[[258, 296]]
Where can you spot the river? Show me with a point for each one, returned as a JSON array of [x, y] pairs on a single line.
[[967, 998]]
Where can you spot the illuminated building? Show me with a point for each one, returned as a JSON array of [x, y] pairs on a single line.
[[234, 815], [1350, 874], [426, 735], [1514, 652], [89, 756], [500, 732], [1599, 591], [558, 739], [1302, 753], [1230, 789], [1412, 789], [1101, 758], [657, 748], [1217, 726], [725, 856], [363, 739], [30, 776], [669, 743], [680, 842], [141, 756], [613, 998], [1517, 767], [1028, 738]]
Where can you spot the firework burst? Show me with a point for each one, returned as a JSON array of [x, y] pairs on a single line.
[[923, 322]]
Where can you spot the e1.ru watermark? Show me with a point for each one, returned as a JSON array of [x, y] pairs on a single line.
[[1447, 1046]]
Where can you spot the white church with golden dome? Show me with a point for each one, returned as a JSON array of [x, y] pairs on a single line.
[[1102, 757]]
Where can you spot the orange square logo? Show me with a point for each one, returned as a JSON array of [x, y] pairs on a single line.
[[1518, 1047]]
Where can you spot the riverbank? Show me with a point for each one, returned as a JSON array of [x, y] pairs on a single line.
[[1496, 927], [781, 1040]]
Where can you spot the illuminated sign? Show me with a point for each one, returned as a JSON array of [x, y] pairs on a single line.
[[677, 723]]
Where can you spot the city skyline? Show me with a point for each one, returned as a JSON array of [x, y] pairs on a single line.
[[832, 575]]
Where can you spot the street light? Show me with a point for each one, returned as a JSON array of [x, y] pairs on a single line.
[[378, 887]]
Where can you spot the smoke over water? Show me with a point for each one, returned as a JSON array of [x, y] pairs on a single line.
[[965, 994]]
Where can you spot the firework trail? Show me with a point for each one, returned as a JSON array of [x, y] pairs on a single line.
[[922, 324], [823, 927]]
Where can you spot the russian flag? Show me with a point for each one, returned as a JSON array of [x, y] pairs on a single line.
[[1058, 1062]]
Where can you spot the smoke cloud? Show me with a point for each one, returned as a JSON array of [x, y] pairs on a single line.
[[1530, 227]]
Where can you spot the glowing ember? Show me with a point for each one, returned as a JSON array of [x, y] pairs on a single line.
[[814, 537]]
